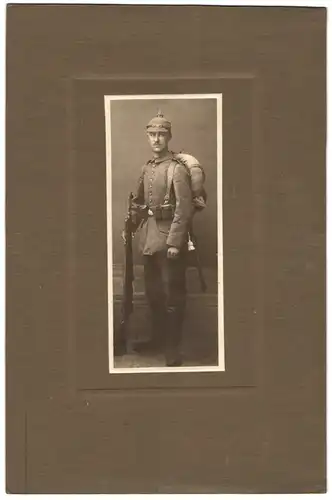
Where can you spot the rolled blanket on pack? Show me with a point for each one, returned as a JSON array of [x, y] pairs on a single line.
[[197, 176]]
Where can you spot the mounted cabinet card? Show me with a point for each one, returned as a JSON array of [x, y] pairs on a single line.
[[165, 249]]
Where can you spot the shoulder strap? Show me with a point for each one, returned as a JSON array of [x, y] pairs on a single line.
[[170, 175]]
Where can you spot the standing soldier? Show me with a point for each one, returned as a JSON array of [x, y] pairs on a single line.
[[163, 210]]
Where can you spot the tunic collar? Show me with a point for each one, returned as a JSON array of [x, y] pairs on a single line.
[[160, 160]]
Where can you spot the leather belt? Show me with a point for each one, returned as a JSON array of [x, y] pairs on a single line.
[[161, 212]]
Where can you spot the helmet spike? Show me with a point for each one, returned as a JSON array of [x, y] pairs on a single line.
[[159, 123]]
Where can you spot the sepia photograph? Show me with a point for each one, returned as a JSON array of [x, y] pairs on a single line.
[[164, 232], [165, 251]]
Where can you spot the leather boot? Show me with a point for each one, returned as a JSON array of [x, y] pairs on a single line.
[[158, 319], [120, 347], [173, 338]]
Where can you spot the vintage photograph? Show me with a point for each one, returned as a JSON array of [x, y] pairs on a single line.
[[164, 233]]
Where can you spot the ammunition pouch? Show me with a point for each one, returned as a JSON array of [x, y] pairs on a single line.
[[140, 213], [163, 212]]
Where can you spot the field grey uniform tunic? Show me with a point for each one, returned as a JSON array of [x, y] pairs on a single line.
[[164, 277]]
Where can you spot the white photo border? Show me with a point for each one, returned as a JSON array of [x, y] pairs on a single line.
[[108, 130]]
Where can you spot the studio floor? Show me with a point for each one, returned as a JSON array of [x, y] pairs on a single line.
[[200, 332]]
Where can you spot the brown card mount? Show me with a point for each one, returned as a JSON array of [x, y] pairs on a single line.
[[257, 427]]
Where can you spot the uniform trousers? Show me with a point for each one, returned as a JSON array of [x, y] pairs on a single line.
[[165, 286]]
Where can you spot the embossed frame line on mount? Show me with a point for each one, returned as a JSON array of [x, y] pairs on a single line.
[[88, 366]]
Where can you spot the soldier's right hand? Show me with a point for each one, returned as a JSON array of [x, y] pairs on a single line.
[[123, 236]]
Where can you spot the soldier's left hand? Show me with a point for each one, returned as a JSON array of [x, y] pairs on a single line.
[[172, 252]]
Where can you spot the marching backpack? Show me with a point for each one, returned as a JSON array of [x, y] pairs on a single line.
[[197, 179]]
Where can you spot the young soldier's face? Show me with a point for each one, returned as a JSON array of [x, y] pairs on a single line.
[[159, 141]]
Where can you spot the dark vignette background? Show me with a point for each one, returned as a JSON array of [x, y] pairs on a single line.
[[61, 438]]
